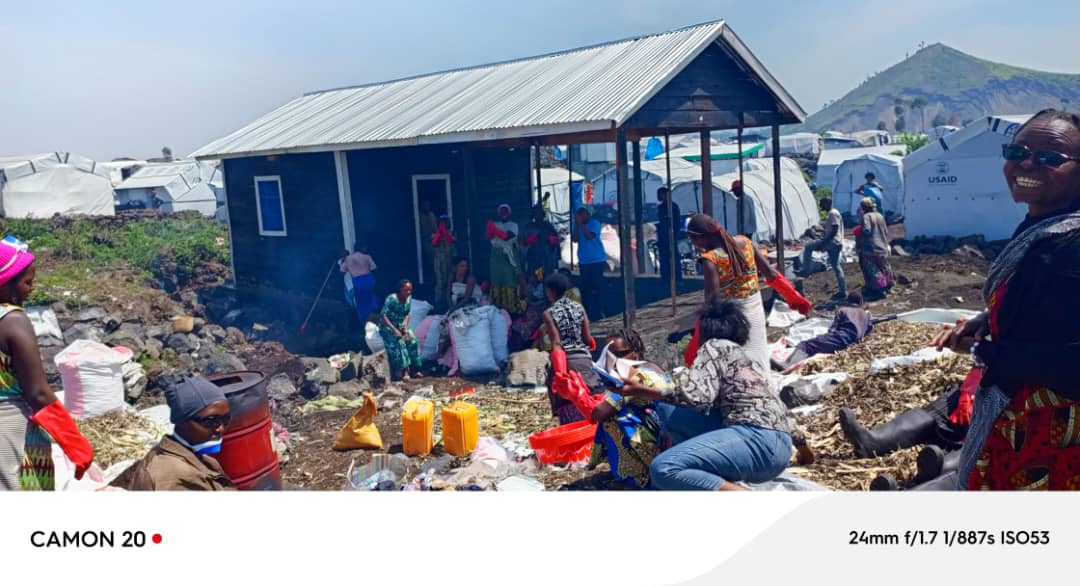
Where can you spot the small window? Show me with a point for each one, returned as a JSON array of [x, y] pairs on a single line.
[[271, 206]]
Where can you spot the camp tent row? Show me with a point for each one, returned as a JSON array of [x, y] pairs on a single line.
[[41, 186], [173, 187]]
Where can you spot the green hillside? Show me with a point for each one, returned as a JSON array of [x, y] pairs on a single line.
[[956, 87]]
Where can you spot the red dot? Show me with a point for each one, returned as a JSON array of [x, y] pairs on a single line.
[[156, 538]]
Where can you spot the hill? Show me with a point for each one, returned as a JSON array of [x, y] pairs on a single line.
[[956, 87]]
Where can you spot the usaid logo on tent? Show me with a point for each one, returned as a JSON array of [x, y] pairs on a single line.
[[942, 177]]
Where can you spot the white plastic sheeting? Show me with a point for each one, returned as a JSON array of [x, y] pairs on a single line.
[[831, 159], [800, 210], [41, 186], [174, 187], [800, 207], [555, 181], [955, 185], [799, 143], [888, 171]]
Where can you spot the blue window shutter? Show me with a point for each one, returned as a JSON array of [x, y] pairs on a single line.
[[270, 206]]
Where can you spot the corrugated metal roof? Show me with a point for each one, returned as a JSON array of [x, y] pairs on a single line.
[[159, 175], [592, 88]]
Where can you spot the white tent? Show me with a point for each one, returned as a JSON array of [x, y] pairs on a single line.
[[888, 170], [955, 185], [40, 186], [171, 187], [831, 159], [800, 143], [799, 205], [800, 208], [556, 181]]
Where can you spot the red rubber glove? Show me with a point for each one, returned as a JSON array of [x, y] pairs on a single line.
[[553, 240], [531, 239], [570, 386], [692, 348], [493, 232], [962, 414], [558, 360], [55, 420], [786, 290], [442, 234], [857, 230]]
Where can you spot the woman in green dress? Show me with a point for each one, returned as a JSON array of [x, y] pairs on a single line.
[[402, 349]]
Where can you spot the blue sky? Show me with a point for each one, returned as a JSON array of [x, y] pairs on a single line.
[[124, 78]]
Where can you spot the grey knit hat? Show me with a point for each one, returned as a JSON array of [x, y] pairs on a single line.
[[189, 397]]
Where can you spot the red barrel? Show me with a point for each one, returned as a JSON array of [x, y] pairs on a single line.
[[247, 455]]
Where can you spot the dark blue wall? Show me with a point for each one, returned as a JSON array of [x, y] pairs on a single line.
[[299, 261]]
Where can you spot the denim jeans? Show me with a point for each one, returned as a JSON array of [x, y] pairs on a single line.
[[707, 452], [833, 250]]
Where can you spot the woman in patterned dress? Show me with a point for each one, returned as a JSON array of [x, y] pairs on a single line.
[[1023, 433], [402, 349], [567, 327], [726, 425], [506, 274], [29, 410], [731, 265]]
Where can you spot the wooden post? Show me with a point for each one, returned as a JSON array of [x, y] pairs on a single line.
[[639, 211], [570, 203], [670, 228], [626, 254], [706, 173], [741, 223], [539, 193], [470, 196], [778, 198]]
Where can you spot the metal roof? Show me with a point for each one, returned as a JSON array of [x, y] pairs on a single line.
[[587, 89]]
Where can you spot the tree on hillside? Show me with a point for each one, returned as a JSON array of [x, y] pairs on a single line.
[[881, 125], [939, 120], [166, 153], [900, 125], [899, 106], [919, 103]]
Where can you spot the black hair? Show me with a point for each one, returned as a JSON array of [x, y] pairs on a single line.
[[722, 320], [826, 202], [870, 175], [401, 284], [1052, 115], [633, 339], [662, 191], [854, 299], [557, 283]]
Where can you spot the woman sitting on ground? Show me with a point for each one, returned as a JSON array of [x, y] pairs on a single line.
[[568, 328], [628, 436], [402, 349], [726, 425]]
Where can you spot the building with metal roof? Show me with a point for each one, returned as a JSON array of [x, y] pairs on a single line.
[[334, 167]]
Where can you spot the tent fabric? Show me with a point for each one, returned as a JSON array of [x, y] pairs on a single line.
[[556, 180], [177, 186], [799, 143], [887, 169], [955, 185], [41, 186], [800, 207], [831, 159]]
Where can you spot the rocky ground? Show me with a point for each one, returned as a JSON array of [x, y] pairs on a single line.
[[311, 398]]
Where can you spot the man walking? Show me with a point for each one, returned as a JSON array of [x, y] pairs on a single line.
[[832, 243], [663, 243], [592, 260]]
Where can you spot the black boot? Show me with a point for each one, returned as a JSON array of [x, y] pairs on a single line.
[[884, 482], [929, 463], [910, 428], [946, 481]]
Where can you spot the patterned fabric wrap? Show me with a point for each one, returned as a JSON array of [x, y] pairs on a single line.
[[876, 270], [25, 448], [403, 352]]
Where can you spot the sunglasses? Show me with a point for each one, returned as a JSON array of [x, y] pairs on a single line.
[[1019, 152], [621, 353], [213, 421]]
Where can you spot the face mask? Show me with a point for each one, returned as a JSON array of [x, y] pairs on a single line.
[[205, 448]]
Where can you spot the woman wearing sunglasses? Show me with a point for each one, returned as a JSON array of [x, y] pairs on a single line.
[[182, 461], [1022, 434]]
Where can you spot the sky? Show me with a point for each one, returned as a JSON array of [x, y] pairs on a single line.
[[126, 78]]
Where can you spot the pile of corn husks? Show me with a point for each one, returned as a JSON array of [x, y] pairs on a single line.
[[120, 435], [875, 398]]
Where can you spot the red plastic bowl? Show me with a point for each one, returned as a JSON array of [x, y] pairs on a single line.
[[567, 443]]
